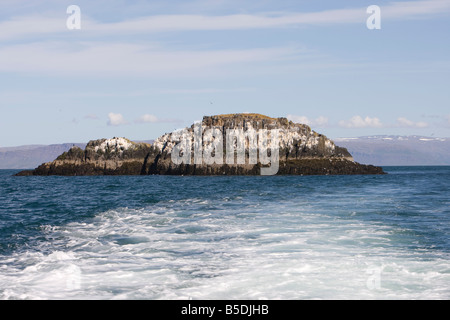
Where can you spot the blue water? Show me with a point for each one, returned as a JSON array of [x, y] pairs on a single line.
[[276, 237]]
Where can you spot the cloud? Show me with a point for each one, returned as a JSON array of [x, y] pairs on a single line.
[[413, 9], [318, 122], [368, 122], [147, 118], [52, 24], [102, 59], [299, 119], [321, 121], [184, 22], [359, 122], [405, 123], [80, 52], [31, 25], [150, 118], [116, 119]]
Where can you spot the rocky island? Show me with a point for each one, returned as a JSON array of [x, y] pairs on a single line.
[[231, 144]]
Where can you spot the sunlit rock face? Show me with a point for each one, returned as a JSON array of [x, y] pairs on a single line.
[[300, 149]]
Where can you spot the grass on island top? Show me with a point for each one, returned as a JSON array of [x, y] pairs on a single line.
[[250, 115]]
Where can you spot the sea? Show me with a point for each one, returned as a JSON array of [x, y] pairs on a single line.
[[364, 237]]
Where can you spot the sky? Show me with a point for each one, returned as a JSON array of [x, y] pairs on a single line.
[[139, 69]]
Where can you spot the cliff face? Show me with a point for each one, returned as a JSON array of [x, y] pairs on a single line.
[[234, 144], [300, 149]]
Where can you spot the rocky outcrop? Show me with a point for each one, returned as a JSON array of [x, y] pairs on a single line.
[[233, 144], [116, 156], [300, 149]]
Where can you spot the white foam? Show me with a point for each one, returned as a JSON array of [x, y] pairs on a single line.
[[202, 249]]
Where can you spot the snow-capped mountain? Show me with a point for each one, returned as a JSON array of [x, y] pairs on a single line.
[[398, 150]]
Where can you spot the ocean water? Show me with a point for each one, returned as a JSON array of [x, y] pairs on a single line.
[[276, 237]]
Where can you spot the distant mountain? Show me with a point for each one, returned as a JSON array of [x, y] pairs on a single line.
[[398, 150], [30, 156]]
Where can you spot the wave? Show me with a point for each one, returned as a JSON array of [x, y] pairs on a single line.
[[228, 247]]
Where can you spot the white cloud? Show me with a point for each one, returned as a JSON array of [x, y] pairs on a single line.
[[150, 118], [405, 123], [321, 121], [66, 54], [50, 24], [116, 119], [318, 122], [147, 118], [108, 59], [299, 119], [359, 122], [412, 9], [183, 22], [31, 25]]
